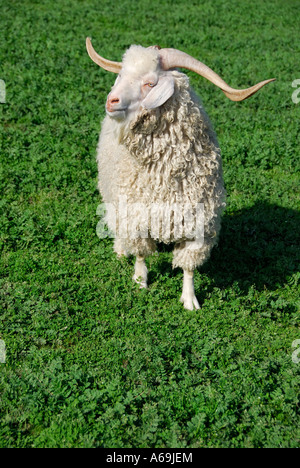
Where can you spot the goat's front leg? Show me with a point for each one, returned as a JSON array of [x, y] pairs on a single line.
[[119, 248], [188, 297], [140, 272]]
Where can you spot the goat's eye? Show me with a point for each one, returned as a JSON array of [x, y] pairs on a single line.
[[151, 85]]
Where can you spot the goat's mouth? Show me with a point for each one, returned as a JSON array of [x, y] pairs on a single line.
[[118, 114]]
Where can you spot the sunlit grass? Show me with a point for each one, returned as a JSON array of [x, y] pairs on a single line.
[[92, 361]]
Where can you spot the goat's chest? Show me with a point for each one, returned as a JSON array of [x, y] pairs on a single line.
[[147, 183]]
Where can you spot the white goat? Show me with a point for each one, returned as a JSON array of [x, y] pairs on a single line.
[[159, 161]]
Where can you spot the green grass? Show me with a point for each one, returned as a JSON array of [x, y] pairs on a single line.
[[91, 360]]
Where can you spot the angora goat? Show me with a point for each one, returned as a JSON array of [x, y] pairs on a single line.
[[160, 170]]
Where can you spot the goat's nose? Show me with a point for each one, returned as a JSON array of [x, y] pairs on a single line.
[[111, 102], [114, 100]]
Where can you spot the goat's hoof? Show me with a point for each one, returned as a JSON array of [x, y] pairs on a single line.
[[138, 280], [190, 303]]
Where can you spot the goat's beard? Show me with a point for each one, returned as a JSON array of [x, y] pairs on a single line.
[[145, 122], [141, 122]]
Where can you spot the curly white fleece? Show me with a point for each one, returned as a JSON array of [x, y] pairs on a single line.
[[166, 155]]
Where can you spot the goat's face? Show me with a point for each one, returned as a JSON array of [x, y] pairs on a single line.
[[141, 84]]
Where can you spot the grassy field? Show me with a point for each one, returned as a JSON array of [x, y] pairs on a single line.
[[92, 361]]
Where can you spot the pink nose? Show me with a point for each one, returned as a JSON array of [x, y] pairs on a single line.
[[111, 102]]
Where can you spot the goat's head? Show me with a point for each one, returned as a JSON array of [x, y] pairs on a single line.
[[145, 79]]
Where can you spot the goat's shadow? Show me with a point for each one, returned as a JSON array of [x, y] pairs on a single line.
[[258, 246]]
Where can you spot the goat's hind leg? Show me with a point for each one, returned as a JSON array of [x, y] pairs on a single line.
[[140, 272], [141, 248]]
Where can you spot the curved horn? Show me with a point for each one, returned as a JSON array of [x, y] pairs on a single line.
[[172, 58], [114, 67]]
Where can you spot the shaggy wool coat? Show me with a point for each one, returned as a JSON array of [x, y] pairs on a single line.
[[167, 155]]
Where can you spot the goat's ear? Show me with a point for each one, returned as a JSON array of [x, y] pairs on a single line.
[[160, 93]]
